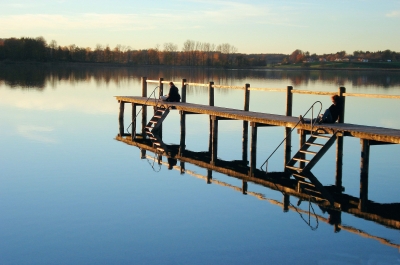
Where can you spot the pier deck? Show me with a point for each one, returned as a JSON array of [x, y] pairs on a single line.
[[372, 133]]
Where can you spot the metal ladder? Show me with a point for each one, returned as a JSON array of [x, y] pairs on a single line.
[[152, 127], [307, 182]]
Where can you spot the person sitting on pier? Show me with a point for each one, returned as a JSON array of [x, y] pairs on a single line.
[[173, 95], [331, 115]]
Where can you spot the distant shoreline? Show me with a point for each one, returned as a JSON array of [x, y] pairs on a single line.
[[119, 65]]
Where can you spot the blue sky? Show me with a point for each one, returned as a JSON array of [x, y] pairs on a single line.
[[317, 26]]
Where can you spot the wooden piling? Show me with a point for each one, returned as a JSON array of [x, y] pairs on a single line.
[[302, 141], [144, 108], [182, 144], [339, 143], [211, 93], [133, 135], [253, 149], [183, 92], [288, 130], [211, 103], [121, 117], [245, 138], [214, 139], [364, 168], [160, 87]]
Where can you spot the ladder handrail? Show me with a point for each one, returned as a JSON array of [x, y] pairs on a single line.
[[148, 98], [290, 133]]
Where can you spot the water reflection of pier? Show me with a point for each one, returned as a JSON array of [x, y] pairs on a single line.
[[384, 214]]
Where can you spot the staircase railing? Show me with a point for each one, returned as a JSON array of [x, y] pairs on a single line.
[[156, 100], [290, 133]]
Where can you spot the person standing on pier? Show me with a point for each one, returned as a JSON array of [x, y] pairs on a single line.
[[173, 95]]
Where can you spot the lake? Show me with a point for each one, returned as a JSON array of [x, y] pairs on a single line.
[[71, 193]]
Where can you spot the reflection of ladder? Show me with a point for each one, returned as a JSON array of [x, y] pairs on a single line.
[[152, 128], [307, 182]]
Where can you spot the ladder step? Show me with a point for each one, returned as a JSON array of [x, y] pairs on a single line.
[[294, 168], [313, 191], [320, 136], [306, 183], [308, 152], [148, 132], [157, 143], [299, 176], [151, 121], [320, 145], [160, 149], [156, 116], [301, 159]]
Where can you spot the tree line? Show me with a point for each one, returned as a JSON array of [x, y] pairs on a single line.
[[193, 53]]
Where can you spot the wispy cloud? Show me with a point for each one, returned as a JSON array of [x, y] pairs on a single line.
[[217, 12], [36, 133], [395, 13]]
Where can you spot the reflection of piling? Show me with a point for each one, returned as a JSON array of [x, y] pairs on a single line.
[[209, 176], [244, 187], [364, 166], [245, 124], [286, 202]]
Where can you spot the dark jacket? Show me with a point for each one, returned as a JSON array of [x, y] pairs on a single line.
[[173, 95]]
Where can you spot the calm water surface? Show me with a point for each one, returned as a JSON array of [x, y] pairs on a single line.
[[71, 194]]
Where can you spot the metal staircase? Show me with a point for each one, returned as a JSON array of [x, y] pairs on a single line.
[[152, 127], [306, 159]]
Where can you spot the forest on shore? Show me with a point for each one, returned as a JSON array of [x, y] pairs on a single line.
[[193, 53]]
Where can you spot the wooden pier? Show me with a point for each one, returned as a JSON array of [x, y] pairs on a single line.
[[368, 135]]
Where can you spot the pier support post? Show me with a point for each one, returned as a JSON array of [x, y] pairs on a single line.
[[160, 87], [339, 144], [288, 137], [211, 103], [133, 134], [211, 93], [214, 139], [245, 138], [144, 108], [182, 144], [364, 168], [253, 149], [302, 136], [121, 118], [183, 92]]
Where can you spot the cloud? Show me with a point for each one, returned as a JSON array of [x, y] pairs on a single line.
[[395, 13], [206, 12], [36, 133]]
